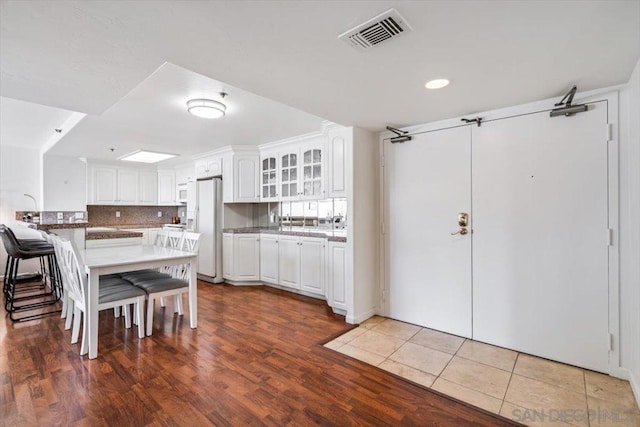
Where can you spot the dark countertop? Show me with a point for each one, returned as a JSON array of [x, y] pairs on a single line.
[[56, 225], [128, 226], [331, 236], [115, 234]]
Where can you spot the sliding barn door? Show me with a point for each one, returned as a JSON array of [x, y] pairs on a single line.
[[427, 183], [540, 249]]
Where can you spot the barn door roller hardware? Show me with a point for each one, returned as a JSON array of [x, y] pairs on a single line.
[[401, 135], [566, 109], [477, 120]]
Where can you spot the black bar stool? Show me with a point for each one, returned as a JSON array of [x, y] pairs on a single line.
[[21, 296]]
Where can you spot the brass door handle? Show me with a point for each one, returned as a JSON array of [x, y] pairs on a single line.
[[462, 231]]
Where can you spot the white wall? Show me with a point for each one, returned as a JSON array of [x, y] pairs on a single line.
[[363, 233], [630, 230], [64, 184], [19, 173]]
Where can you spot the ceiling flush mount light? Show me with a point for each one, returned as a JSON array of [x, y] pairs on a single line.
[[437, 84], [143, 156], [207, 108]]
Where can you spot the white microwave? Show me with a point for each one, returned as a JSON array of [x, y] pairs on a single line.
[[182, 193]]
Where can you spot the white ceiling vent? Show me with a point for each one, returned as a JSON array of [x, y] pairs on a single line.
[[386, 26]]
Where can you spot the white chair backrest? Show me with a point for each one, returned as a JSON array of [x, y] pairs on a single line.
[[73, 275], [161, 238], [191, 242], [174, 239]]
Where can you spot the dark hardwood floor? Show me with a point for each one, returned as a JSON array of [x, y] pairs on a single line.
[[255, 359]]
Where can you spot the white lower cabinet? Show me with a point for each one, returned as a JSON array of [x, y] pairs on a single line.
[[148, 234], [269, 258], [312, 265], [227, 256], [301, 263], [289, 261], [241, 257], [336, 275], [109, 243]]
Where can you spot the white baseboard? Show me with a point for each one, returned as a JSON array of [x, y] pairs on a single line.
[[635, 386], [242, 283], [626, 374], [361, 317]]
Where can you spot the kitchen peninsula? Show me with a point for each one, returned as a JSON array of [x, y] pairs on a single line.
[[103, 225]]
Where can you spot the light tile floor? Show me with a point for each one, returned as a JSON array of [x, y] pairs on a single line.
[[528, 389]]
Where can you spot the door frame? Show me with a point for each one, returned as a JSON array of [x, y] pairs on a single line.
[[611, 96]]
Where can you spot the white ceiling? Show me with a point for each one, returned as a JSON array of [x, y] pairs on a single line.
[[86, 56], [24, 124], [154, 116]]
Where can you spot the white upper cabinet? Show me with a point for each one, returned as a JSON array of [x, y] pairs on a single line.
[[166, 188], [246, 169], [312, 172], [302, 171], [337, 161], [148, 188], [269, 176], [113, 185], [185, 174], [289, 175], [127, 186], [208, 166], [104, 189], [241, 175]]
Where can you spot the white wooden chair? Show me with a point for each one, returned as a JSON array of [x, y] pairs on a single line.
[[174, 286], [190, 243], [67, 303], [161, 238], [117, 293]]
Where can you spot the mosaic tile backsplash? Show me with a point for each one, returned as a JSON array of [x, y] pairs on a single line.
[[103, 215]]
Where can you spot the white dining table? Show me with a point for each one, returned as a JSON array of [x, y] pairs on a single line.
[[102, 261]]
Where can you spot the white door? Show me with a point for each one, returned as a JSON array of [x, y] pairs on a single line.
[[540, 252], [312, 265], [289, 261], [269, 258], [428, 183]]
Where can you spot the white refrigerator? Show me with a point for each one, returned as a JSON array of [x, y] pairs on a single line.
[[204, 207]]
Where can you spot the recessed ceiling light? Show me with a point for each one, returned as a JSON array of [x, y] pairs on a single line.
[[143, 156], [207, 108], [437, 84]]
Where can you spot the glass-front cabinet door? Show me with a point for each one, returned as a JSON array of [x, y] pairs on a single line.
[[312, 173], [269, 179], [289, 176]]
